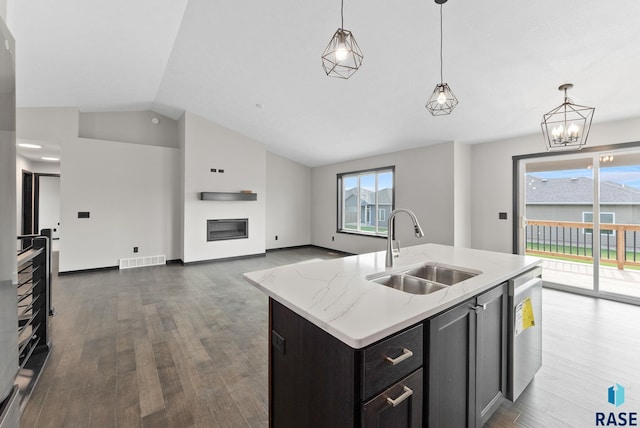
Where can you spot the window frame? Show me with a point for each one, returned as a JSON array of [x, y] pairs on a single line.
[[382, 214], [587, 231], [340, 217]]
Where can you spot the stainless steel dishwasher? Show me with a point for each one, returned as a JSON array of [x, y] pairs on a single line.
[[525, 330]]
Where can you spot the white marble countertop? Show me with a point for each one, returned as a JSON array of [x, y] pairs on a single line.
[[336, 296]]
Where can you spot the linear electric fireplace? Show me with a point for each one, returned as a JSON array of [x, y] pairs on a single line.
[[233, 228]]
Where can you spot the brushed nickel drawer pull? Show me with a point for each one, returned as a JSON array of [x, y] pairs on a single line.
[[406, 394], [406, 353]]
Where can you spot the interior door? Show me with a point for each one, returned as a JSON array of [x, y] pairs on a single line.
[[48, 206]]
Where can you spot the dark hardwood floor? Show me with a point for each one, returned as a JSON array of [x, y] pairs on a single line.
[[174, 346]]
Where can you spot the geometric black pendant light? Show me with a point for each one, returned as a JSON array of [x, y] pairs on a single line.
[[342, 57], [442, 100]]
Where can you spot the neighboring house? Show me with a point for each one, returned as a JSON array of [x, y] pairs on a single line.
[[367, 206], [571, 200]]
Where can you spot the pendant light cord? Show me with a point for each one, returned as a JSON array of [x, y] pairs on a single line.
[[342, 15], [441, 79]]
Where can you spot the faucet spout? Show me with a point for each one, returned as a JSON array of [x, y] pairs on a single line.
[[390, 232]]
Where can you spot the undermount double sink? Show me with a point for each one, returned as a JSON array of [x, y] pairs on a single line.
[[424, 279]]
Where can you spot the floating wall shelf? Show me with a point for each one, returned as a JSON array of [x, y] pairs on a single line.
[[228, 196]]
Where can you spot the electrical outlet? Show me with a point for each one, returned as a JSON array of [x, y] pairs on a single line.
[[135, 249], [276, 237], [502, 216], [214, 170], [333, 238], [221, 171]]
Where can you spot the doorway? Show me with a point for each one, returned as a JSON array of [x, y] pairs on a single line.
[[580, 213], [47, 206], [41, 205], [27, 217]]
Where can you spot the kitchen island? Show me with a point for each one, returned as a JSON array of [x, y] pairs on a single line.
[[348, 351]]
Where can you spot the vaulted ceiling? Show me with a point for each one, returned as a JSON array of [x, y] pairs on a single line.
[[254, 66]]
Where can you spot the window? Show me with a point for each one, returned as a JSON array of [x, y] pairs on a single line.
[[365, 200], [605, 218]]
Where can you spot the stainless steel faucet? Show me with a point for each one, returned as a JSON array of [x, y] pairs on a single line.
[[395, 251]]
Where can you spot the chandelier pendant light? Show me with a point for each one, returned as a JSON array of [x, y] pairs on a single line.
[[342, 57], [442, 100], [567, 126]]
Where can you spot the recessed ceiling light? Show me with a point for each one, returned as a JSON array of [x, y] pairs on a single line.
[[29, 146], [47, 158], [155, 120]]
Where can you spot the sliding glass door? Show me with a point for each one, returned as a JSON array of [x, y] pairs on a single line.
[[556, 197], [581, 213], [619, 181]]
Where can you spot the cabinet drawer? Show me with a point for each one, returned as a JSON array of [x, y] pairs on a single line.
[[390, 360], [398, 406]]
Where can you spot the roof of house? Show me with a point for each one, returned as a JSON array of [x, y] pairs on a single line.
[[367, 197], [576, 190]]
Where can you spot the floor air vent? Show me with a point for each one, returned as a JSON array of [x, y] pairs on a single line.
[[142, 261]]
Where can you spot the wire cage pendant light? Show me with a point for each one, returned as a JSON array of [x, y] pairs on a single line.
[[567, 126], [342, 57], [442, 100]]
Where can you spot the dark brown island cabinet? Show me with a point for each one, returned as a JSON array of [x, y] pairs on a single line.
[[446, 371]]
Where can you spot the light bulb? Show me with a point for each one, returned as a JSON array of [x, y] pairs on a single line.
[[442, 98], [341, 51], [573, 130]]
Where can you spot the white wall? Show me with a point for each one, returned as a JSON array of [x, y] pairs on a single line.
[[47, 123], [491, 186], [288, 203], [131, 192], [3, 10], [207, 146], [96, 171], [424, 184], [462, 195], [129, 127], [45, 167]]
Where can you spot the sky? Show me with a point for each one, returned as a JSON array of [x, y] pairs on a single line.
[[627, 175]]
